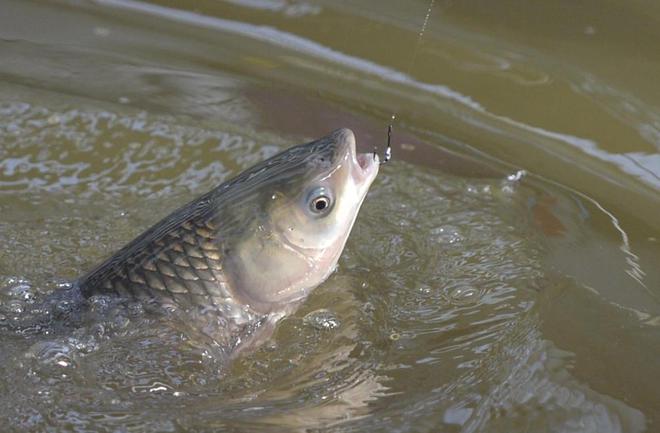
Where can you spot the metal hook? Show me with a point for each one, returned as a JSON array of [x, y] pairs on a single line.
[[388, 151]]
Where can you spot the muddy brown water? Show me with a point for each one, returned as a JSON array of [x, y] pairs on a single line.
[[465, 301]]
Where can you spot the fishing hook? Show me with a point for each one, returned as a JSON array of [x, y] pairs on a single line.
[[388, 151]]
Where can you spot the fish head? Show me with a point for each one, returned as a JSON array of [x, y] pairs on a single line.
[[310, 197]]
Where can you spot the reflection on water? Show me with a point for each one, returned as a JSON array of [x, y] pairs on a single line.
[[468, 299]]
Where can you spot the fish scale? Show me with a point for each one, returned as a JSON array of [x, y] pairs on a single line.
[[182, 264]]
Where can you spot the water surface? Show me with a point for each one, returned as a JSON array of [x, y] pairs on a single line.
[[472, 296]]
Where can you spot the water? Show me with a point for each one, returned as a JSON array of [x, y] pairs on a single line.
[[471, 296]]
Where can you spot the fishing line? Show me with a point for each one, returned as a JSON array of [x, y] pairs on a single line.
[[411, 65], [420, 36]]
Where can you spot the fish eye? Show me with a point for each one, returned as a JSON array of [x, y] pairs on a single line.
[[320, 201]]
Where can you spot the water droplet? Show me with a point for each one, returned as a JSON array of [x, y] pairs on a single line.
[[517, 176], [512, 180], [323, 320]]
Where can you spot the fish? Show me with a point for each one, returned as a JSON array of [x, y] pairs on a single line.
[[247, 253]]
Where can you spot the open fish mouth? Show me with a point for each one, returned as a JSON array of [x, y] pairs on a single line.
[[367, 167], [365, 160], [364, 166]]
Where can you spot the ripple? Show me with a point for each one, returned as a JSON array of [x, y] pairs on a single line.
[[432, 307], [464, 295], [322, 320], [93, 151]]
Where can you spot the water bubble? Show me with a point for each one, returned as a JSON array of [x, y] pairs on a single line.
[[52, 353], [323, 320], [99, 303], [63, 285], [16, 307], [447, 235], [424, 290], [18, 288], [517, 176], [471, 189], [64, 307], [509, 185], [84, 344], [463, 295]]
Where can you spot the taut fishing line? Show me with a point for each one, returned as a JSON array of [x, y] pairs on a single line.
[[411, 65]]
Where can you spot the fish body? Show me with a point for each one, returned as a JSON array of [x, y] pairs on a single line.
[[249, 251]]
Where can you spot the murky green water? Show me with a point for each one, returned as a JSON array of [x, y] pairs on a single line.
[[465, 300]]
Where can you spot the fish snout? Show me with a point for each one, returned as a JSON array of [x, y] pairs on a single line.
[[364, 166]]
